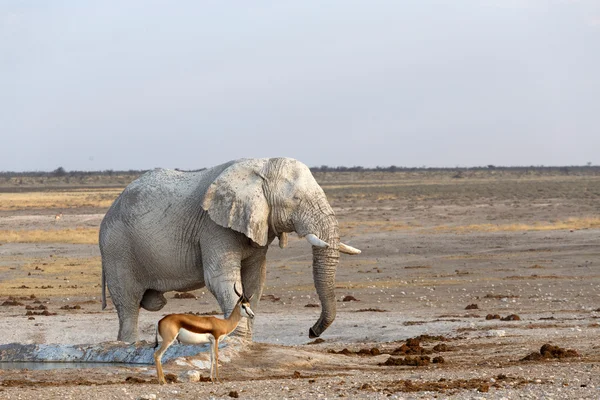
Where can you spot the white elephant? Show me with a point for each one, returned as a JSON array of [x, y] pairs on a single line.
[[173, 230]]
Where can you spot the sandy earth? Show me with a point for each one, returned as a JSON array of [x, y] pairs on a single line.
[[410, 280]]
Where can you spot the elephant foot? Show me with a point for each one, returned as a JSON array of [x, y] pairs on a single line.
[[243, 330]]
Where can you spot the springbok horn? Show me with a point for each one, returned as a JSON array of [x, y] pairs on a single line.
[[315, 241], [344, 248], [236, 291]]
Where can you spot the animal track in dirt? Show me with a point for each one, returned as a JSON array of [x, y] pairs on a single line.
[[270, 297], [472, 307], [549, 351], [500, 296], [312, 305], [371, 310], [350, 298], [492, 316], [184, 295]]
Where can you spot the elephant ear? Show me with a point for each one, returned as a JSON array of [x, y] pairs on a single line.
[[235, 199]]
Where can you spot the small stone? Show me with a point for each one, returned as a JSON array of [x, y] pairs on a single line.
[[190, 376]]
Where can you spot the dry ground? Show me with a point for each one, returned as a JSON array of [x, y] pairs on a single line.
[[433, 244]]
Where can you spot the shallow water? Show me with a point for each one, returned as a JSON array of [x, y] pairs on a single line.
[[62, 365]]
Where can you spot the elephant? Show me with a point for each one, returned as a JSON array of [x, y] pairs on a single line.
[[172, 230]]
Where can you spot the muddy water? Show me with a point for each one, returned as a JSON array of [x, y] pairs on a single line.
[[62, 365]]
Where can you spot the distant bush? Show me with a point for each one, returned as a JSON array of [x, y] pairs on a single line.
[[60, 171]]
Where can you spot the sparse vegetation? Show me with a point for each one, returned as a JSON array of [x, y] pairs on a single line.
[[74, 236]]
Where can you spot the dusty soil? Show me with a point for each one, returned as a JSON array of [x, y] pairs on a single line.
[[425, 263]]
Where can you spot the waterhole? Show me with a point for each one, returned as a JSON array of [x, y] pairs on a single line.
[[29, 365]]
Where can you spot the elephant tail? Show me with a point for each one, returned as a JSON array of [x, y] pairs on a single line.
[[103, 288]]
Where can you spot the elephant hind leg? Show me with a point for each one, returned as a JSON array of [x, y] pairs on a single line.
[[128, 323], [153, 300]]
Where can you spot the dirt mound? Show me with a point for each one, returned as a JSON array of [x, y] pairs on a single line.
[[68, 307], [444, 385], [472, 307], [362, 352], [416, 361], [184, 295], [442, 347], [511, 317], [411, 347], [430, 338], [549, 351], [492, 316], [11, 303]]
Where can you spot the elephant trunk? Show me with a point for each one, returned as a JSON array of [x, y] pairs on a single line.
[[325, 261]]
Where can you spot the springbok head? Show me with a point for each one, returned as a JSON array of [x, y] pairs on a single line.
[[244, 303]]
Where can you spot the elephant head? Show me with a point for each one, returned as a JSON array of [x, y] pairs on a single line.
[[264, 198]]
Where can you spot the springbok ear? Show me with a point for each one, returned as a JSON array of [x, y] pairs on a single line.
[[235, 199]]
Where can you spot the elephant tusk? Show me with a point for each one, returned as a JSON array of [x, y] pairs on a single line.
[[315, 241], [283, 240], [344, 248]]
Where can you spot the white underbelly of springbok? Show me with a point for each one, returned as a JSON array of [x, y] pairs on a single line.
[[189, 337]]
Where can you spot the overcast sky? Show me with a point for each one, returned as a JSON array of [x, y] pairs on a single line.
[[190, 84]]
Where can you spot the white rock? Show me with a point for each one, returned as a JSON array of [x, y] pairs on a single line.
[[201, 364], [190, 376]]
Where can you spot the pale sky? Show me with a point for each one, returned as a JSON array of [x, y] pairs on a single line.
[[190, 84]]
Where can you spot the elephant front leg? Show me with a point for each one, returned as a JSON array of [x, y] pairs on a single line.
[[254, 273], [219, 279]]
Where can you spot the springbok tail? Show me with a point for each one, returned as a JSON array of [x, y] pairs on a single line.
[[156, 336]]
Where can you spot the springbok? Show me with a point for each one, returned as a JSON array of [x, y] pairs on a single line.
[[57, 217], [192, 329]]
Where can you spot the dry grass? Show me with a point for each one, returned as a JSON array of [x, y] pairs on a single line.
[[570, 223], [53, 276], [58, 200], [74, 236]]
